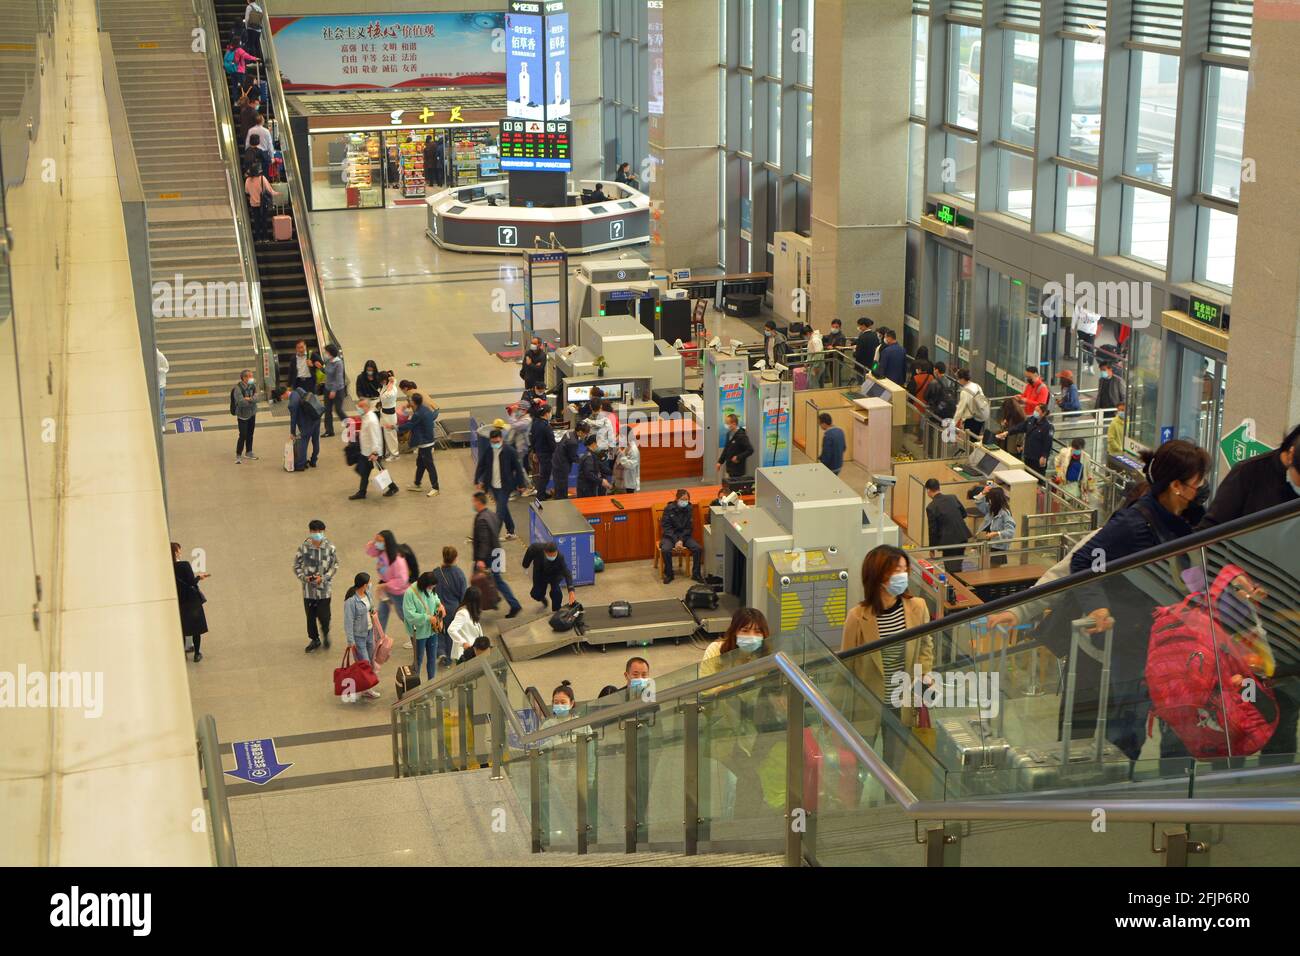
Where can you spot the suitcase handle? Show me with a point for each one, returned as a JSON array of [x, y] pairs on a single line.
[[1081, 640]]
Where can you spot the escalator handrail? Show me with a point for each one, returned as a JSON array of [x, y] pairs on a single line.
[[223, 115], [297, 194], [223, 833], [1192, 542]]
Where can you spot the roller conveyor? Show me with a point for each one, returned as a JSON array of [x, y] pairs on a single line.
[[650, 621]]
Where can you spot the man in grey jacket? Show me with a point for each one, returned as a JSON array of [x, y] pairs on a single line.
[[315, 565], [243, 405], [336, 387]]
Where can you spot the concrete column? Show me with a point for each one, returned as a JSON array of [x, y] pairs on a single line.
[[1264, 341], [584, 80], [861, 80], [684, 140]]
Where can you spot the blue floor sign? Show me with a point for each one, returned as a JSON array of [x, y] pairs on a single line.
[[255, 761]]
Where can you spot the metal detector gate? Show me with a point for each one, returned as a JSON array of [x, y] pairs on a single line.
[[544, 259]]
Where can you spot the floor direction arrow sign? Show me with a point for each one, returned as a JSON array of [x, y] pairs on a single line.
[[255, 761]]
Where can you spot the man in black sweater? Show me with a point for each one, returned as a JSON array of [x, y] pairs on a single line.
[[864, 350], [489, 556], [947, 520], [591, 472], [676, 527], [541, 438], [549, 569], [565, 457], [737, 449]]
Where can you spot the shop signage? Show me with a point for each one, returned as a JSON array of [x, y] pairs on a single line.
[[1210, 313], [655, 47], [381, 51], [943, 343], [874, 297], [256, 762], [731, 401], [1241, 444]]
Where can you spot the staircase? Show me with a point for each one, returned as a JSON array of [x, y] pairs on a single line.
[[191, 234]]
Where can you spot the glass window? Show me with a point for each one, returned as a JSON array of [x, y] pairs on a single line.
[[920, 59], [722, 107], [1080, 207], [1144, 389], [747, 33], [1146, 226], [959, 166], [746, 113], [916, 171], [775, 39], [805, 130], [1216, 247], [1153, 96], [1083, 64], [1020, 88], [1225, 119], [1015, 184], [963, 100], [806, 46], [774, 123], [802, 209]]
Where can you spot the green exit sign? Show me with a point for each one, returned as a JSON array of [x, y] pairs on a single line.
[[946, 214], [1208, 312]]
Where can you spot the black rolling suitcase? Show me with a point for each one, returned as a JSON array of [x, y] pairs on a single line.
[[407, 680]]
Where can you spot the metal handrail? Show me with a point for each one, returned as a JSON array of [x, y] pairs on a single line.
[[219, 91], [214, 777], [297, 194]]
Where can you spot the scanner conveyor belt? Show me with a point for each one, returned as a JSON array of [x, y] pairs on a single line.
[[650, 621]]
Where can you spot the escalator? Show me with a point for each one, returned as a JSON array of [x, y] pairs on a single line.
[[796, 736], [292, 300]]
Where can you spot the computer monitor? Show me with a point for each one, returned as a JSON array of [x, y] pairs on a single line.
[[984, 462], [876, 390], [577, 393]]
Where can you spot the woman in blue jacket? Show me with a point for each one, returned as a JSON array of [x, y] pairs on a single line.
[[359, 620]]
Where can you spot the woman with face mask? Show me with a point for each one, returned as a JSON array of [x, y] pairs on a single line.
[[465, 627], [368, 383], [888, 609], [393, 562], [745, 639], [998, 525], [359, 620], [1166, 507]]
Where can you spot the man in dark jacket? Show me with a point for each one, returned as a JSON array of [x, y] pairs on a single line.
[[774, 345], [489, 557], [834, 339], [420, 427], [1039, 433], [565, 457], [1110, 387], [300, 365], [549, 569], [498, 470], [737, 450], [864, 350], [893, 360], [533, 368], [541, 438], [946, 517], [304, 425], [591, 471], [675, 530], [833, 443]]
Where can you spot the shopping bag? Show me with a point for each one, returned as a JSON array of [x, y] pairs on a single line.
[[382, 479], [353, 676], [383, 643], [288, 456]]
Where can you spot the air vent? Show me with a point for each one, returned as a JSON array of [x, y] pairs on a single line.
[[1158, 22], [1230, 22]]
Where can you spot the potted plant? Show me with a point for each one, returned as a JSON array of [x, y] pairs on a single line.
[[601, 365]]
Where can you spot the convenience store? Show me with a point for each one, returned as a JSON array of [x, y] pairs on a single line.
[[359, 158]]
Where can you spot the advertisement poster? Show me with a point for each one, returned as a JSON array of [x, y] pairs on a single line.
[[655, 46], [776, 433], [558, 98], [385, 51], [525, 63], [731, 401]]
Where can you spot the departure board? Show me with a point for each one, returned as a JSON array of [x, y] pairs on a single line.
[[542, 145]]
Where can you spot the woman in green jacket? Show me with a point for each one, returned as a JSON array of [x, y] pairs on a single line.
[[423, 614]]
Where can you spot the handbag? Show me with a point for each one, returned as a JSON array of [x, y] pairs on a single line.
[[353, 676], [383, 643], [382, 479]]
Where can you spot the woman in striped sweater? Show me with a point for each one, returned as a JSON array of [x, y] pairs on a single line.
[[887, 609]]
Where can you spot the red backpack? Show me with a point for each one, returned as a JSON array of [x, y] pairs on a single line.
[[1195, 672]]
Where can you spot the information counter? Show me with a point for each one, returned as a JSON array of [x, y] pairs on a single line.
[[466, 220]]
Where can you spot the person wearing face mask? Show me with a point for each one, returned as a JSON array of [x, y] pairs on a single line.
[[550, 570], [359, 623], [999, 525], [190, 600], [676, 528], [368, 383], [1173, 496], [636, 676], [335, 386], [533, 368], [1115, 431], [466, 627], [591, 473], [315, 565], [736, 452], [398, 569], [499, 472], [424, 617], [1110, 389], [1068, 400], [774, 344], [1073, 470], [1039, 434], [887, 610], [629, 462], [1036, 392], [371, 438], [541, 438], [746, 636], [243, 405]]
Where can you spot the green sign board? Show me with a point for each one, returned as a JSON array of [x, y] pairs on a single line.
[[1240, 444], [1210, 313], [946, 214]]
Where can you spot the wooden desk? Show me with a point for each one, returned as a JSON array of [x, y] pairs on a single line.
[[966, 597], [667, 447], [629, 534], [991, 583]]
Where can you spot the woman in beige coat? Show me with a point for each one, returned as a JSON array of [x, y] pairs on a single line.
[[887, 609]]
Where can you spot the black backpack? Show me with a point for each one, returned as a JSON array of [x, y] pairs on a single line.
[[567, 618], [945, 404], [701, 597]]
